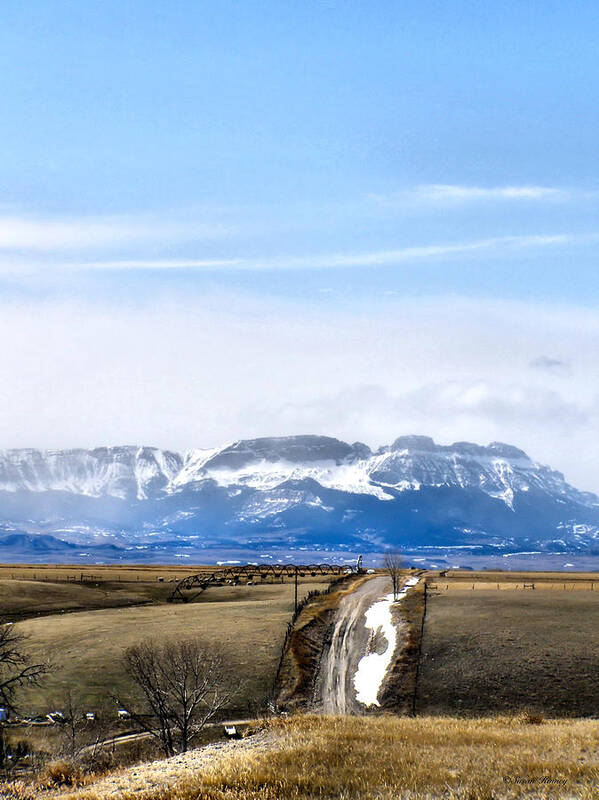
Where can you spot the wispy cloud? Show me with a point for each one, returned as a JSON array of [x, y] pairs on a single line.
[[441, 193], [375, 258], [447, 194], [22, 232]]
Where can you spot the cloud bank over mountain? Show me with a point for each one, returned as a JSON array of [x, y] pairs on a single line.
[[220, 365]]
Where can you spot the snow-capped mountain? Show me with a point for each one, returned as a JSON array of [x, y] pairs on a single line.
[[106, 471], [297, 491], [410, 463]]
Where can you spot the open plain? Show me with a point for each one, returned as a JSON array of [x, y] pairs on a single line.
[[502, 661], [493, 643], [83, 626]]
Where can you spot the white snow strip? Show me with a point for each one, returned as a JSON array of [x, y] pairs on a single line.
[[265, 475], [373, 667]]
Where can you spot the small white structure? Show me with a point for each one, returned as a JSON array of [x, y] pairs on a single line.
[[122, 713], [231, 732], [90, 716]]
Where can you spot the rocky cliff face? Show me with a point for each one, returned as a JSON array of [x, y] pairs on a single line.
[[298, 491], [138, 472]]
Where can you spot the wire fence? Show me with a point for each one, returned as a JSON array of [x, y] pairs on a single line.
[[510, 586]]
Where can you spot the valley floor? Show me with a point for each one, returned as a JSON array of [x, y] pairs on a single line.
[[488, 645]]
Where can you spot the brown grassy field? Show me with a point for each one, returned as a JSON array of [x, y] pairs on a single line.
[[127, 573], [388, 758], [21, 599], [493, 662], [489, 649], [35, 590], [86, 647], [518, 577]]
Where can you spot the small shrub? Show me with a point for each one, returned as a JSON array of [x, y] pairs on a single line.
[[60, 773], [530, 717]]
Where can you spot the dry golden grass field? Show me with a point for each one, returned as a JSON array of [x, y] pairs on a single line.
[[488, 643], [518, 577], [496, 658], [86, 647], [486, 648], [20, 599], [34, 589], [388, 758]]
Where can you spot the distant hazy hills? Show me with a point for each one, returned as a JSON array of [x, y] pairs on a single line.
[[294, 492]]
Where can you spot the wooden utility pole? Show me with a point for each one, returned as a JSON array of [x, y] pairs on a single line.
[[295, 604]]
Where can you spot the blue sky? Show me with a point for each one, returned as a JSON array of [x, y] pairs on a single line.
[[267, 132], [243, 170]]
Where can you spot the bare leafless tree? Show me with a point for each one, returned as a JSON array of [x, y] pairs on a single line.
[[16, 671], [16, 667], [78, 733], [181, 686], [392, 563]]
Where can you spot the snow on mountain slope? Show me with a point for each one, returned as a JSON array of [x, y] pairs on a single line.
[[264, 464], [265, 475], [498, 470], [409, 464], [124, 472], [192, 467]]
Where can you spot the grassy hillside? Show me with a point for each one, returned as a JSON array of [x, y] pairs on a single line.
[[86, 647], [488, 649], [20, 599], [36, 590], [388, 758]]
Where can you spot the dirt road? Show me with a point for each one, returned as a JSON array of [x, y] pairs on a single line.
[[125, 738], [334, 690]]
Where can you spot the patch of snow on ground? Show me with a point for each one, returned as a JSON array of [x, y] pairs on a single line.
[[373, 667]]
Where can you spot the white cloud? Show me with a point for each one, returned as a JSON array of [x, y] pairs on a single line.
[[22, 232], [447, 195], [375, 258], [204, 371]]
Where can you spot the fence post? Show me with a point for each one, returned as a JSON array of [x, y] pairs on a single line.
[[419, 657]]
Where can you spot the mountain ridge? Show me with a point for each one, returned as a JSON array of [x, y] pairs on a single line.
[[113, 470], [297, 491]]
